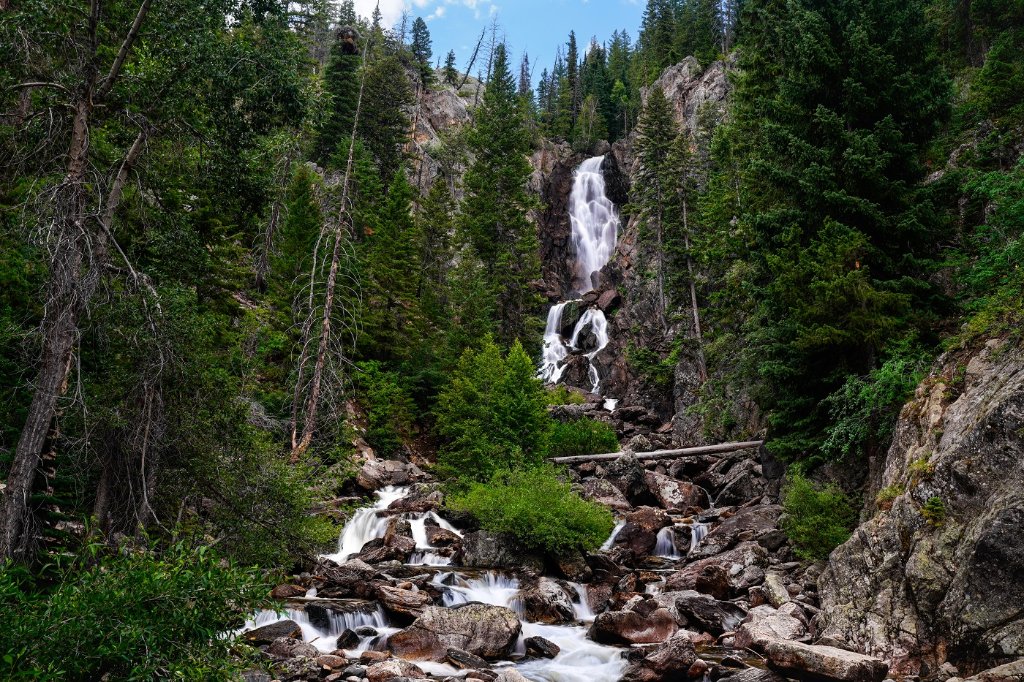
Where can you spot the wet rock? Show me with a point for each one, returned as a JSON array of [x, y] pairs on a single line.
[[331, 661], [603, 492], [725, 575], [510, 675], [481, 629], [403, 603], [669, 662], [631, 627], [348, 579], [751, 523], [753, 675], [423, 500], [627, 474], [288, 647], [640, 533], [348, 640], [818, 663], [354, 671], [376, 474], [917, 593], [548, 602], [463, 660], [743, 482], [697, 611], [676, 495], [573, 566], [288, 591], [764, 624], [540, 647], [608, 299], [698, 670], [392, 668], [1010, 672], [299, 668], [269, 633], [481, 549], [775, 589], [442, 537]]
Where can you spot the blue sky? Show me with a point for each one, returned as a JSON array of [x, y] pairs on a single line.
[[537, 26]]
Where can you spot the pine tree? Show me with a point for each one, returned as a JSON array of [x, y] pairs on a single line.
[[341, 83], [496, 201], [421, 50], [384, 125], [572, 80], [451, 74]]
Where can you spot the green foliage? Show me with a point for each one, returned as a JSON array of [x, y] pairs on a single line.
[[817, 520], [389, 408], [421, 50], [492, 413], [934, 511], [137, 615], [887, 495], [863, 411], [538, 508], [560, 395], [581, 437]]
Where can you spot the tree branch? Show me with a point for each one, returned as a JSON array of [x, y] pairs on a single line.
[[122, 54]]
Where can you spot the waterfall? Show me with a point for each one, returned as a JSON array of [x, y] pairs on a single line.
[[595, 226], [666, 546]]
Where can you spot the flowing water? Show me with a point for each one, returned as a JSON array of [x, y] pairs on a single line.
[[595, 225], [580, 659]]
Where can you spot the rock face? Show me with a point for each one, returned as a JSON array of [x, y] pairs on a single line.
[[481, 549], [632, 627], [489, 632], [821, 663], [670, 661], [547, 602], [919, 591]]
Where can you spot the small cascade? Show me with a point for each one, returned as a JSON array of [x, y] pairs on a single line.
[[581, 605], [666, 546], [595, 225], [699, 532], [366, 525], [611, 538], [490, 587], [326, 638]]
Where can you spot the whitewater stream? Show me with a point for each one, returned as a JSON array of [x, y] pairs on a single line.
[[595, 225], [580, 659]]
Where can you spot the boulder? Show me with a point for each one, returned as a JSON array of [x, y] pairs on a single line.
[[1010, 672], [775, 589], [268, 633], [701, 612], [510, 675], [407, 603], [463, 660], [392, 668], [753, 675], [725, 575], [481, 549], [442, 537], [484, 630], [632, 627], [540, 647], [288, 647], [626, 474], [603, 492], [377, 474], [676, 495], [348, 579], [668, 663], [764, 624], [547, 602], [288, 591], [750, 523], [608, 299], [640, 532], [331, 661], [817, 663]]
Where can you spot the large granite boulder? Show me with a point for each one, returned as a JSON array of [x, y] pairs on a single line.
[[669, 662], [483, 630]]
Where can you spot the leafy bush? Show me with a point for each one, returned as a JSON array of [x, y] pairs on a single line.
[[887, 495], [864, 409], [581, 437], [560, 395], [538, 509], [389, 408], [139, 616], [817, 520], [493, 414]]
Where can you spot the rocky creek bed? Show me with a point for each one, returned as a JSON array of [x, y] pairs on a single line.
[[696, 582]]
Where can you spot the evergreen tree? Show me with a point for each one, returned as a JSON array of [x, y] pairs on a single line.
[[383, 123], [421, 50], [451, 74], [341, 84], [496, 201], [841, 236], [572, 81]]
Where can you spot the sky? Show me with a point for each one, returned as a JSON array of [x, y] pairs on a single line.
[[535, 26]]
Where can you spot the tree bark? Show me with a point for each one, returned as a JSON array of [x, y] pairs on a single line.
[[662, 454], [702, 367]]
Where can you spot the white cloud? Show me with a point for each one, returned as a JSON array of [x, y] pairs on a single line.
[[391, 10]]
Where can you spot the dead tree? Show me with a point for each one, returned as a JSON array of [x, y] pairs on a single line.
[[78, 243]]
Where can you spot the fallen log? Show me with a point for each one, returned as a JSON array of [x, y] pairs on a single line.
[[662, 454]]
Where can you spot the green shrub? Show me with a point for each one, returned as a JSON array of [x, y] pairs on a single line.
[[137, 616], [934, 511], [538, 509], [560, 395], [581, 437], [817, 520], [887, 495], [493, 414]]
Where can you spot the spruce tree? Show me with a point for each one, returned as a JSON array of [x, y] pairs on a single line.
[[421, 50], [341, 84], [383, 123], [451, 74], [496, 201]]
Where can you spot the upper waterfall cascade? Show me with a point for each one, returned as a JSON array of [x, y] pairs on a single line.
[[595, 225]]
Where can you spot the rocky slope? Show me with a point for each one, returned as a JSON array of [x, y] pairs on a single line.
[[934, 581]]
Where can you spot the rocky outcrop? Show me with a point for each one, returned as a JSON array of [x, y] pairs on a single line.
[[935, 574], [670, 661], [481, 549], [489, 632], [642, 626], [547, 602]]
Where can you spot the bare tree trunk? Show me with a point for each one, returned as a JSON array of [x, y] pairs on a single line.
[[702, 367], [263, 261], [69, 290], [472, 60]]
